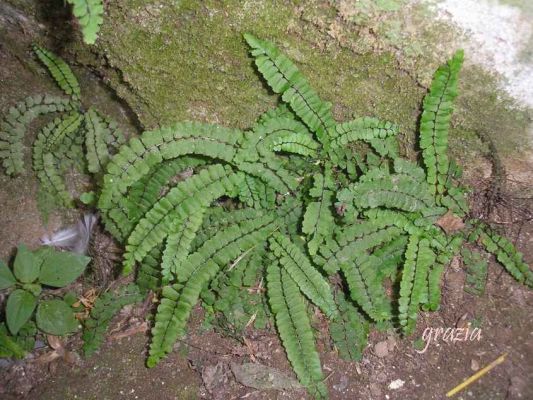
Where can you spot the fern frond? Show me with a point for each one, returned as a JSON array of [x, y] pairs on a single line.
[[365, 286], [354, 241], [271, 171], [476, 272], [97, 137], [218, 218], [444, 256], [187, 197], [51, 180], [56, 138], [281, 111], [309, 280], [60, 71], [303, 145], [407, 167], [178, 244], [318, 222], [144, 193], [350, 160], [412, 223], [149, 271], [396, 191], [294, 327], [229, 295], [199, 268], [106, 306], [255, 193], [284, 78], [390, 256], [387, 147], [435, 120], [349, 331], [90, 15], [413, 286], [54, 146], [141, 155], [455, 200], [506, 254], [276, 134], [15, 124], [365, 129]]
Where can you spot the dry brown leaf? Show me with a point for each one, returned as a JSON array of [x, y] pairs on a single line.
[[450, 222], [54, 342]]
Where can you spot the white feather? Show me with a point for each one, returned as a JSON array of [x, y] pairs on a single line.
[[73, 238]]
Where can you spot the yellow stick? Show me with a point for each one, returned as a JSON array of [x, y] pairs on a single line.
[[477, 375]]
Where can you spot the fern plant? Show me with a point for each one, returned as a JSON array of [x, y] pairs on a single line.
[[291, 204], [89, 14], [76, 137]]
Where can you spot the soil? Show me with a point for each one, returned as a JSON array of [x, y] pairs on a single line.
[[502, 314], [199, 368]]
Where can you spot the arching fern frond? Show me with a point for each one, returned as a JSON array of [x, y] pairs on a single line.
[[281, 111], [294, 327], [276, 134], [309, 280], [144, 193], [141, 155], [236, 295], [53, 150], [505, 253], [365, 129], [15, 124], [396, 191], [444, 256], [178, 299], [476, 272], [390, 256], [284, 78], [354, 241], [435, 120], [55, 138], [386, 147], [219, 218], [295, 143], [187, 197], [60, 71], [90, 16]]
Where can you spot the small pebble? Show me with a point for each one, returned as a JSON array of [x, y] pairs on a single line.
[[396, 384], [381, 349]]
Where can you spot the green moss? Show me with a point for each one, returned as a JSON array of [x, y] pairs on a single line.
[[190, 62], [484, 109], [187, 60]]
